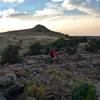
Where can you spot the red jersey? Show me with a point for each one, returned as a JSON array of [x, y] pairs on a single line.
[[52, 52]]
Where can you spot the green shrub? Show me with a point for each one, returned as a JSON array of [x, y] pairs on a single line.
[[36, 49], [84, 91], [73, 41], [68, 45], [79, 39], [10, 54], [71, 50], [60, 43], [93, 46], [37, 91], [57, 73]]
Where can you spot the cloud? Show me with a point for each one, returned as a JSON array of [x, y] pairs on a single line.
[[48, 12], [8, 12], [12, 13], [91, 7], [52, 11], [55, 10], [76, 15], [57, 0], [12, 1]]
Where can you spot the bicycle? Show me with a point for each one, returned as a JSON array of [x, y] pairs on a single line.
[[58, 60]]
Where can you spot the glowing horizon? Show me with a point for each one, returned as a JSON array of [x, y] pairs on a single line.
[[73, 17]]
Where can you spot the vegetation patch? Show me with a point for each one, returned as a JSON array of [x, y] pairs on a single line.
[[35, 49], [11, 54], [59, 73], [84, 91], [34, 90]]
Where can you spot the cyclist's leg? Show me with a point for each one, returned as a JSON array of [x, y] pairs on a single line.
[[54, 58]]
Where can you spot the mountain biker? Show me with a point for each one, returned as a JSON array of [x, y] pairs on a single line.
[[53, 53]]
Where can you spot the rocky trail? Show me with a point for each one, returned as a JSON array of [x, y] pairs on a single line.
[[57, 78]]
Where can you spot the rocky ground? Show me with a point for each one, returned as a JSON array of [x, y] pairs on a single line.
[[52, 80]]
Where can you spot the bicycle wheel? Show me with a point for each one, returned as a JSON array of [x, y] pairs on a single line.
[[59, 60], [49, 60]]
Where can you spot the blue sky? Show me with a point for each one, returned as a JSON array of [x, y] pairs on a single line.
[[76, 17]]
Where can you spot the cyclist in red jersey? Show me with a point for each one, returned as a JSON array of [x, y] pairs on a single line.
[[53, 53]]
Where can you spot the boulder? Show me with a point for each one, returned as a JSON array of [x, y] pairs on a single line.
[[30, 62], [14, 91], [20, 72], [2, 97], [17, 70], [7, 79]]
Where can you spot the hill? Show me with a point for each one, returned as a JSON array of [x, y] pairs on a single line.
[[39, 33], [37, 30], [34, 78]]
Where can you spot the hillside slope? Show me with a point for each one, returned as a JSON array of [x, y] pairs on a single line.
[[28, 36], [37, 30]]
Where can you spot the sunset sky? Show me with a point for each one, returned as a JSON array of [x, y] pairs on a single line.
[[74, 17]]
